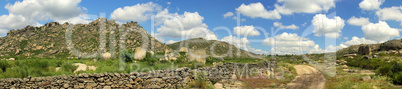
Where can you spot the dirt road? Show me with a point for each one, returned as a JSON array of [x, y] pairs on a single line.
[[307, 78]]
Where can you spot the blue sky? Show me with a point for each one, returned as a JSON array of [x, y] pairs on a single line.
[[310, 26]]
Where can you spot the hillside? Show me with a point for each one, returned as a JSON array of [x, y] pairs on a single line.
[[213, 47], [49, 41]]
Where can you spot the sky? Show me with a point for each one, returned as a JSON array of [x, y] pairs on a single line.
[[258, 26]]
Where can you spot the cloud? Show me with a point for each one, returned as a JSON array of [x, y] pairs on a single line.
[[257, 10], [246, 31], [370, 4], [332, 48], [241, 43], [379, 31], [235, 18], [291, 43], [279, 24], [357, 41], [328, 27], [358, 21], [228, 14], [81, 19], [187, 25], [171, 42], [345, 38], [392, 13], [288, 7], [29, 12], [138, 12]]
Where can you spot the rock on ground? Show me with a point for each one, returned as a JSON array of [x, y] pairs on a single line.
[[83, 67]]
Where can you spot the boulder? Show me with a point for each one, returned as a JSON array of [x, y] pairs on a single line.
[[51, 24], [140, 53], [347, 55], [106, 55], [197, 55], [366, 78], [369, 57], [183, 49], [391, 45], [364, 50], [11, 59], [17, 52]]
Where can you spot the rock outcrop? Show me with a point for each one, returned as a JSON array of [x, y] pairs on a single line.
[[391, 45], [364, 50], [53, 39]]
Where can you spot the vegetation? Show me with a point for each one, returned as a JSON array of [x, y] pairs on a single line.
[[201, 82], [345, 80], [382, 67]]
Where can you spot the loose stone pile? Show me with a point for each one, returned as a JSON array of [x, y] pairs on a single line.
[[172, 78]]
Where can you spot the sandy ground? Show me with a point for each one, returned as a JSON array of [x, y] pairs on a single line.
[[307, 78]]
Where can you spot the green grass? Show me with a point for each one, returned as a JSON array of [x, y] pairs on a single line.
[[345, 80]]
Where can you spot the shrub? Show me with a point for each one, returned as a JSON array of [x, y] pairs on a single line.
[[398, 78], [200, 82], [68, 67], [126, 56], [4, 65], [385, 70]]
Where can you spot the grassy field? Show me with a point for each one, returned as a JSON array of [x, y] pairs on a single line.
[[23, 67], [346, 80]]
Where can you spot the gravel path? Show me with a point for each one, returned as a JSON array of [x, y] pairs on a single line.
[[307, 78]]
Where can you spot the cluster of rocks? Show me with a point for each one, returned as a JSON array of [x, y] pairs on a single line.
[[171, 78], [50, 40], [10, 59]]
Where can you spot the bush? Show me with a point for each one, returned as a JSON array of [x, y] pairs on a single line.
[[68, 67], [200, 82], [4, 65], [385, 70], [126, 56], [398, 78]]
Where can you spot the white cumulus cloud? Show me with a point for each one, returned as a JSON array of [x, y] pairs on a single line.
[[291, 43], [287, 7], [187, 25], [379, 31], [326, 26], [279, 24], [358, 21], [255, 10], [171, 42], [357, 41], [370, 4], [138, 12], [29, 12], [246, 31], [391, 13], [228, 14]]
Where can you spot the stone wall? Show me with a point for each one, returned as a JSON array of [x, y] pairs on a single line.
[[177, 78]]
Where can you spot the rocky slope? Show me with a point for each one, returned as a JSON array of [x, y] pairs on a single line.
[[211, 47], [392, 45], [50, 41], [55, 40]]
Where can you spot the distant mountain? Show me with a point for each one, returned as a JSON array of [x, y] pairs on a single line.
[[212, 48]]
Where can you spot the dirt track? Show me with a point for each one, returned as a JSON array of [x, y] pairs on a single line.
[[307, 78]]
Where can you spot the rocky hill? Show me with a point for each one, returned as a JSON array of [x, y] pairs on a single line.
[[392, 47], [55, 40], [395, 45], [211, 47], [50, 41]]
